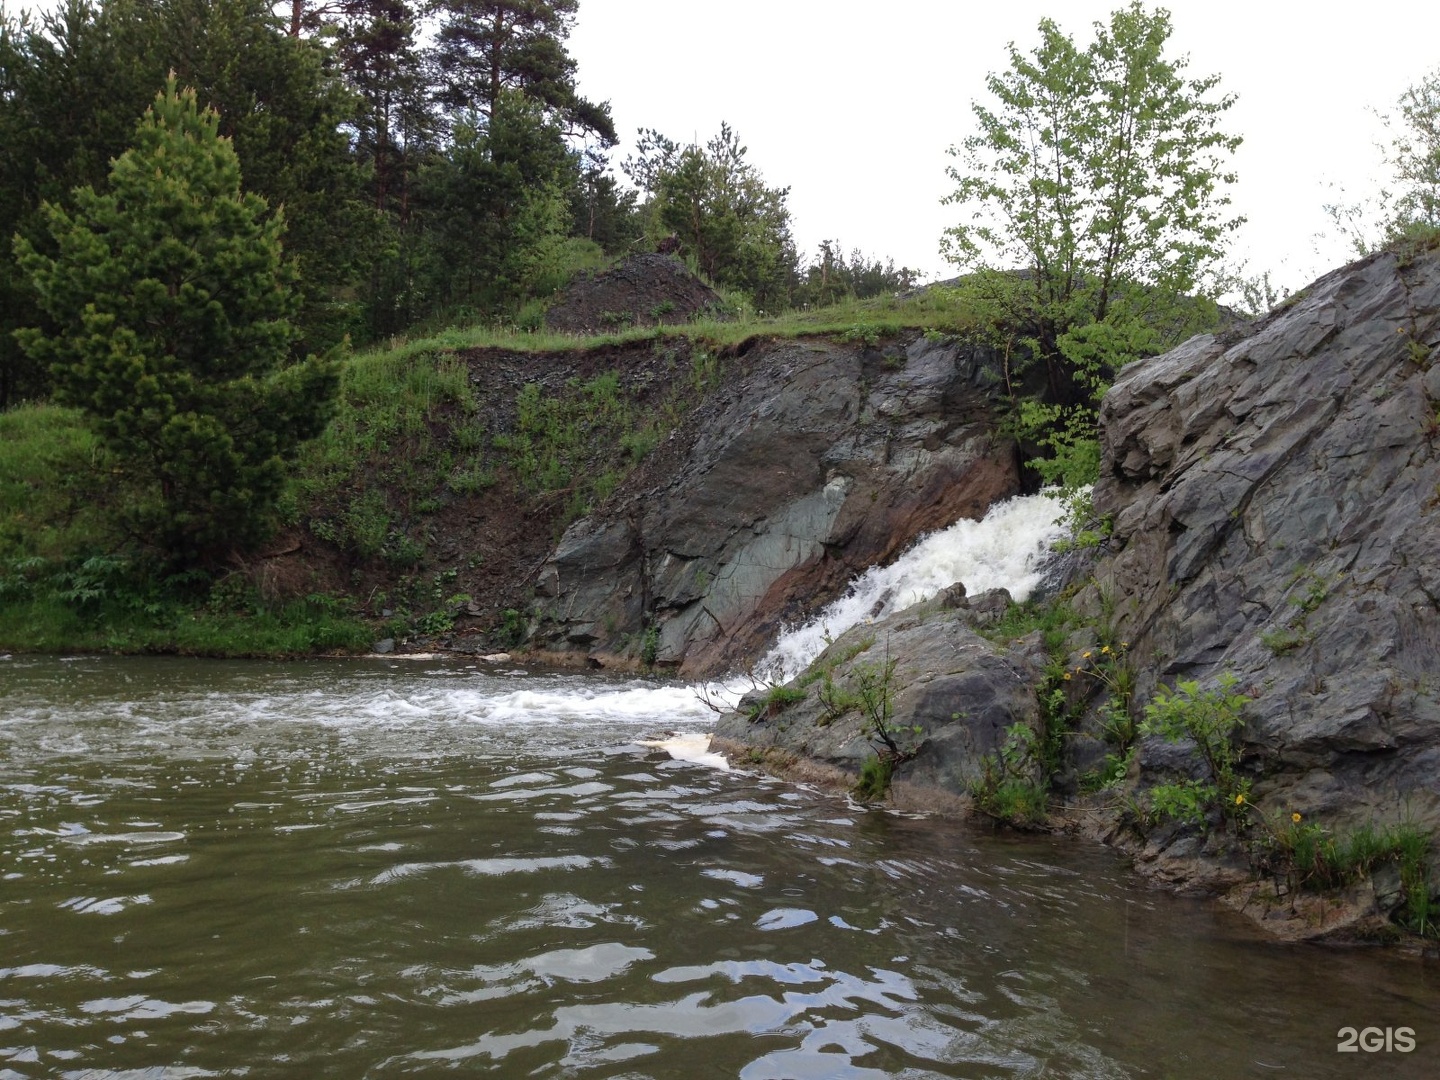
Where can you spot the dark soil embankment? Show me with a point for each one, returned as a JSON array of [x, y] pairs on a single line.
[[643, 290]]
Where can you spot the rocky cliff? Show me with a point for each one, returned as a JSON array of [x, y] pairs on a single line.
[[1274, 502], [818, 461], [1274, 498]]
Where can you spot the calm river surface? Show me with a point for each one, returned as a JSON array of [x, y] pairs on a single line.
[[408, 868]]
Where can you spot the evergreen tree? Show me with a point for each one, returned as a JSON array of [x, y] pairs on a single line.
[[600, 209], [394, 127], [496, 206], [486, 47], [172, 302], [72, 86]]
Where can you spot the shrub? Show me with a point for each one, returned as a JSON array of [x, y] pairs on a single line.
[[1210, 719]]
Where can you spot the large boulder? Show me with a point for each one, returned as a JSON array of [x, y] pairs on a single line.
[[945, 695]]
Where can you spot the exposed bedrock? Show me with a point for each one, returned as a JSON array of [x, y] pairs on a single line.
[[822, 460], [1276, 506], [1275, 498]]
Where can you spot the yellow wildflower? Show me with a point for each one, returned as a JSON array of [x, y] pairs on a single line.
[[1295, 817], [1085, 657], [1106, 650], [1067, 676], [1239, 800]]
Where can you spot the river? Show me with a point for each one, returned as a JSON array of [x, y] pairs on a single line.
[[404, 867], [373, 868]]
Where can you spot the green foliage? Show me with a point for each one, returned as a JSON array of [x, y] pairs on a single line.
[[50, 488], [488, 48], [1316, 592], [496, 205], [442, 619], [832, 277], [1414, 159], [836, 699], [1310, 857], [1053, 618], [650, 645], [77, 79], [1311, 591], [1019, 802], [1096, 169], [1412, 849], [1099, 173], [1210, 719], [1405, 215], [1111, 773], [1183, 800], [776, 700], [114, 604], [875, 776], [1007, 788], [512, 627], [870, 685], [1285, 639], [172, 303], [556, 435]]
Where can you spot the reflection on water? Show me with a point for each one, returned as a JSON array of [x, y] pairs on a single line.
[[373, 870]]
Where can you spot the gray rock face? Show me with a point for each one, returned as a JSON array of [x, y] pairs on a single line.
[[1276, 506], [1275, 496], [823, 460]]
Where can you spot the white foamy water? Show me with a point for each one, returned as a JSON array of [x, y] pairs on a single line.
[[1003, 550]]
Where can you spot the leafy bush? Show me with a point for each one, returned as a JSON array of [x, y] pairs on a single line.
[[1210, 719]]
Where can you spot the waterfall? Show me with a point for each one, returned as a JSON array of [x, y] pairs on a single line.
[[1003, 550]]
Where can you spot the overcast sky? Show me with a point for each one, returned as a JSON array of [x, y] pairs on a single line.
[[852, 105]]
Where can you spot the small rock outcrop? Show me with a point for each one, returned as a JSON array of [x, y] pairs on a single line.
[[923, 677], [824, 459], [642, 290]]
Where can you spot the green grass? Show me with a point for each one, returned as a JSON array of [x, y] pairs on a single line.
[[46, 454], [1053, 618], [940, 310]]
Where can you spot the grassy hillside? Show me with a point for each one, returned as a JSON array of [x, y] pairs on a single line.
[[452, 464]]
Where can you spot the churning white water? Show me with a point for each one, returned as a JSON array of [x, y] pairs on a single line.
[[1003, 550]]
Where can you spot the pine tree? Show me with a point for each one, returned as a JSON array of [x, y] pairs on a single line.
[[174, 306], [486, 47]]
